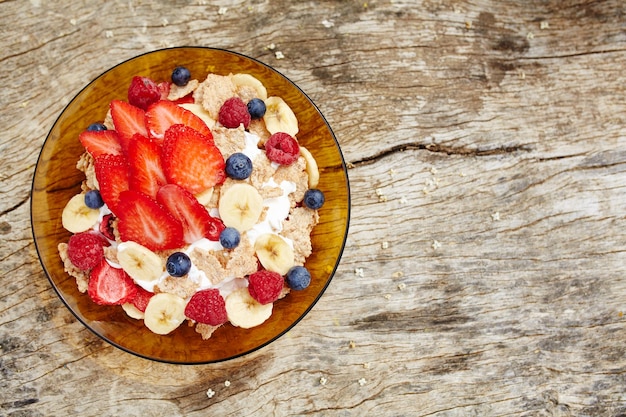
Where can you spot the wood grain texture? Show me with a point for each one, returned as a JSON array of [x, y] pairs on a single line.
[[484, 270]]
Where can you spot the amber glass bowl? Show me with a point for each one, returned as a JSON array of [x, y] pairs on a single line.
[[56, 180]]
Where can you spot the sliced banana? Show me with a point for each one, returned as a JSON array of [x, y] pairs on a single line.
[[139, 262], [244, 311], [250, 81], [132, 311], [311, 167], [240, 206], [77, 217], [274, 253], [199, 111], [204, 197], [164, 313], [279, 117]]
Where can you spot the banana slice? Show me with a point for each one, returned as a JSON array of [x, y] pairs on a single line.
[[132, 311], [240, 206], [274, 253], [204, 197], [279, 117], [244, 311], [250, 81], [77, 217], [164, 313], [199, 111], [139, 262], [311, 167]]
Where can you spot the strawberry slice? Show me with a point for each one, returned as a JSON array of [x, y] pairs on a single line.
[[101, 142], [185, 100], [112, 175], [196, 220], [163, 114], [143, 220], [141, 298], [110, 286], [128, 120], [144, 159], [191, 160]]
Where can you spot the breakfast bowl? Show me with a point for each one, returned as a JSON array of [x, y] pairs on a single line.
[[56, 180]]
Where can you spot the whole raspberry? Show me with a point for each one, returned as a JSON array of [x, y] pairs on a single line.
[[86, 250], [265, 286], [143, 92], [208, 307], [282, 148], [233, 113]]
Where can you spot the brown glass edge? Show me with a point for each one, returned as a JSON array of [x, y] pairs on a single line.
[[323, 290]]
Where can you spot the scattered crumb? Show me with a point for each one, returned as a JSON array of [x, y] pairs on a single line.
[[544, 25], [335, 321], [495, 216], [403, 200], [328, 23], [387, 296], [323, 381], [401, 286], [222, 10], [462, 174], [397, 274], [164, 22], [620, 314], [521, 74], [108, 33], [530, 36], [359, 272], [384, 245], [381, 195], [24, 104], [436, 244], [73, 22], [227, 383], [271, 47], [433, 170], [210, 393], [365, 5], [468, 24], [366, 365], [392, 173], [362, 381], [349, 165], [352, 344], [279, 55]]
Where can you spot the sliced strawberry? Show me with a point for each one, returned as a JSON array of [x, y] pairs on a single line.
[[101, 142], [191, 160], [143, 220], [141, 298], [164, 88], [112, 175], [128, 120], [163, 114], [110, 286], [144, 159], [196, 220], [185, 100]]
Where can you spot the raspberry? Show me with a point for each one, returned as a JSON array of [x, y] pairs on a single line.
[[85, 250], [265, 286], [106, 226], [143, 92], [282, 148], [233, 113], [208, 307]]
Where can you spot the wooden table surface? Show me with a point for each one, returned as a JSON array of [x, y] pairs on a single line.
[[484, 272]]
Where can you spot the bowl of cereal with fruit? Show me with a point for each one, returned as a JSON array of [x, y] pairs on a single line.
[[190, 205]]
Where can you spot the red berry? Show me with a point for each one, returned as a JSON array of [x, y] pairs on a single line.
[[141, 298], [112, 175], [144, 159], [164, 88], [110, 286], [163, 114], [86, 250], [282, 148], [101, 142], [265, 286], [128, 121], [208, 307], [106, 226], [233, 113], [143, 92]]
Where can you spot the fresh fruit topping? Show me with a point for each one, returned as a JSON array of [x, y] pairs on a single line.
[[298, 278], [144, 159], [233, 113], [256, 108], [164, 313], [229, 238], [313, 199], [143, 92], [128, 121], [112, 175], [279, 117], [244, 311], [139, 262], [77, 217], [282, 148], [205, 196], [132, 311], [199, 111], [163, 114], [196, 221], [265, 286], [208, 307], [86, 250], [240, 206], [181, 76], [178, 264], [191, 160], [274, 253], [238, 166], [106, 226], [141, 299], [143, 220], [93, 199], [94, 127], [164, 88], [311, 167], [100, 142], [247, 80], [110, 286]]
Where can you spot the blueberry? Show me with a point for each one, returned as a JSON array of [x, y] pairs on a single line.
[[229, 238], [256, 108], [238, 166], [93, 199], [94, 127], [178, 264], [313, 198], [181, 76], [298, 278]]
